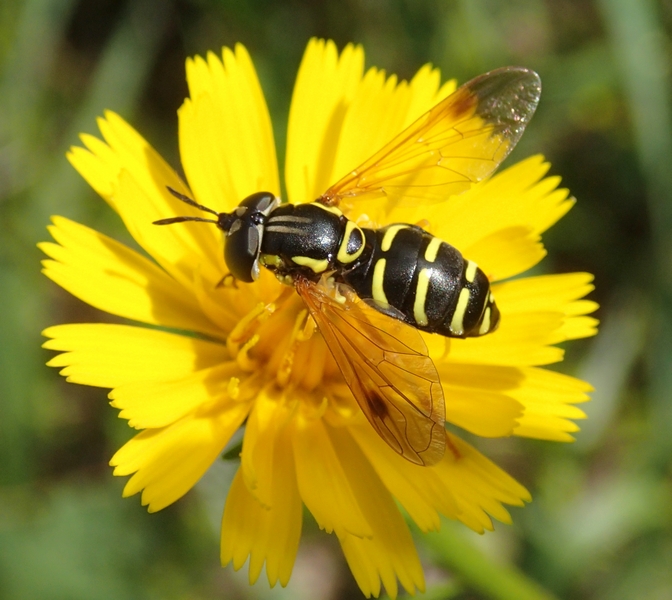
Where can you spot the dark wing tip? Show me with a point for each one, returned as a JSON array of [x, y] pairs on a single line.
[[507, 98]]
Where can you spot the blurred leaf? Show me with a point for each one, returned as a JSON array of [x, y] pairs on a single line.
[[639, 42], [74, 544], [609, 364], [471, 567]]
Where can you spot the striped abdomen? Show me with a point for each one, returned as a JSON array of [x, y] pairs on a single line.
[[424, 279]]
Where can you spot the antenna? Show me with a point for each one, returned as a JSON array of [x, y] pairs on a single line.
[[190, 202]]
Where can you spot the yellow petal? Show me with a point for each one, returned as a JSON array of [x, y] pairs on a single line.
[[323, 483], [521, 340], [479, 487], [575, 328], [267, 418], [479, 412], [380, 109], [152, 404], [114, 278], [350, 117], [179, 249], [267, 534], [167, 462], [389, 553], [109, 356], [325, 86], [516, 197], [536, 313], [98, 164], [134, 179], [560, 293], [546, 398], [464, 485], [545, 293], [376, 114], [506, 252], [226, 138], [426, 92], [417, 489]]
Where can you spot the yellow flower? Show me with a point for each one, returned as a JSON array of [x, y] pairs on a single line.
[[224, 356]]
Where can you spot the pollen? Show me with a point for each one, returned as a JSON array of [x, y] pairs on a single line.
[[233, 388], [279, 342]]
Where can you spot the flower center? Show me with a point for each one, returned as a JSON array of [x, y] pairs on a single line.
[[279, 342]]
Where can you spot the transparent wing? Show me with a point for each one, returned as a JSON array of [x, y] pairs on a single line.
[[386, 365], [460, 141]]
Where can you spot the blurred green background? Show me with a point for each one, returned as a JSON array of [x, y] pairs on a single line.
[[600, 525]]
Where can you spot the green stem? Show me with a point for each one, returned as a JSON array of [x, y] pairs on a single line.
[[478, 572]]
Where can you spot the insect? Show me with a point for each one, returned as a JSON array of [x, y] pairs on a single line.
[[372, 290]]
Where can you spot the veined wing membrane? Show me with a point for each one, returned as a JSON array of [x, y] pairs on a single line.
[[387, 367], [462, 140]]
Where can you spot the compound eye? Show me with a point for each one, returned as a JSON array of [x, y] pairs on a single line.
[[241, 250]]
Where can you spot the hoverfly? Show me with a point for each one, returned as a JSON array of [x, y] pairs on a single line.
[[371, 291]]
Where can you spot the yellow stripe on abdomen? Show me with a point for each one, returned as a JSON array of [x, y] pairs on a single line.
[[470, 271], [377, 284], [390, 233], [432, 249], [421, 288], [457, 323], [485, 325]]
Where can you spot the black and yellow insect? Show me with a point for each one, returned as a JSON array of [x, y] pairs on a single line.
[[370, 290]]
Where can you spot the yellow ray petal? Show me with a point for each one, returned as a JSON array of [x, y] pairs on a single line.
[[152, 404], [536, 313], [418, 490], [133, 178], [226, 138], [167, 462], [380, 109], [389, 553], [481, 413], [109, 356], [325, 86], [506, 252], [464, 485], [268, 417], [114, 278], [559, 293], [546, 397], [98, 164], [575, 328], [375, 115], [267, 534], [426, 92], [323, 483], [545, 293], [479, 487], [516, 197], [521, 340], [179, 249]]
